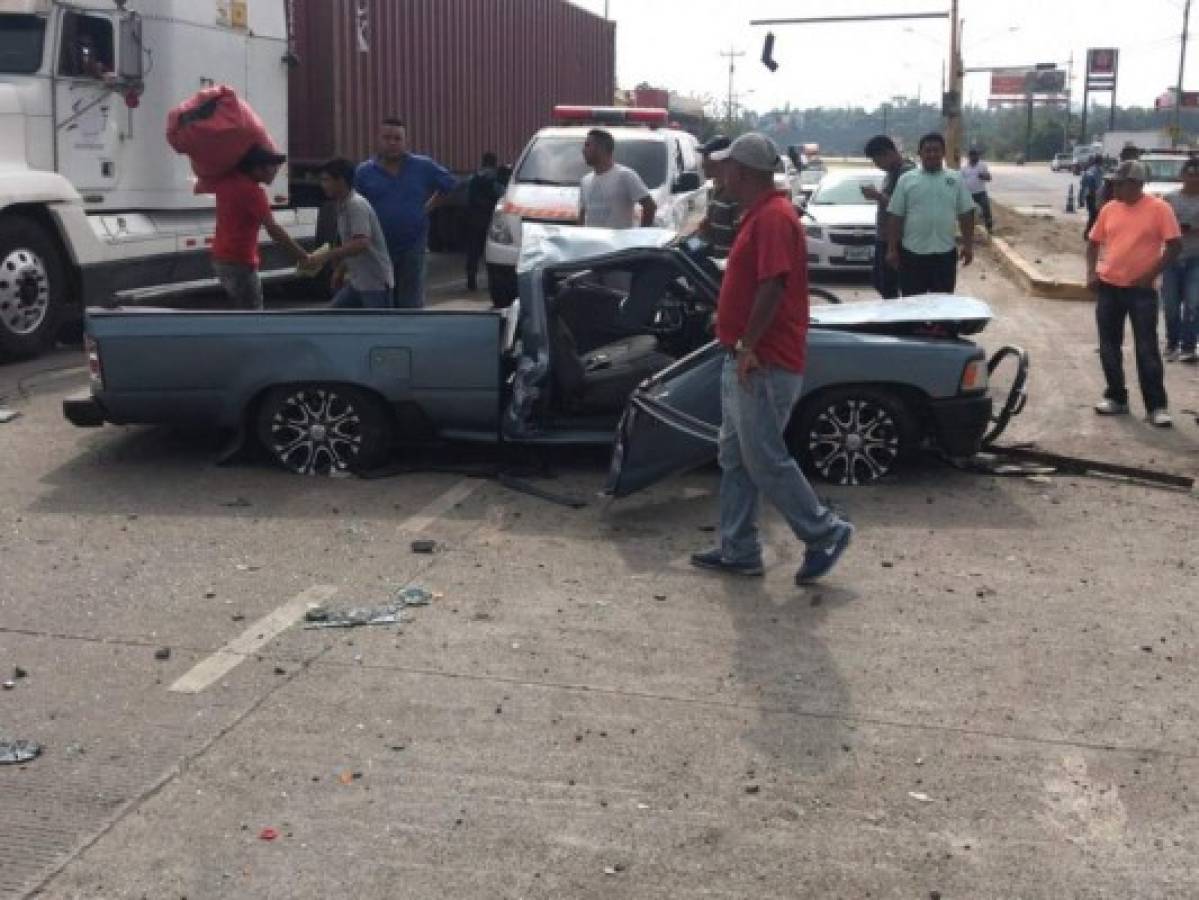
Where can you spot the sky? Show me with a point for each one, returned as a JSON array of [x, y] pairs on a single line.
[[676, 44]]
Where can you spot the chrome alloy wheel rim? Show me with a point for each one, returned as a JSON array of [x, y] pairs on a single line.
[[316, 432], [24, 291], [854, 442]]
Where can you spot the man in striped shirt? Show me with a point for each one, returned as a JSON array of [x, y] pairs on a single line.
[[719, 227]]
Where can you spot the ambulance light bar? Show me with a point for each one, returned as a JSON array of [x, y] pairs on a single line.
[[611, 115]]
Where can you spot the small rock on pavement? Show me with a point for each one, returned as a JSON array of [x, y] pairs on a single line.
[[162, 653], [753, 788], [9, 685], [424, 546], [18, 673]]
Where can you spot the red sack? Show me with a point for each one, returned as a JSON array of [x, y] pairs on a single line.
[[215, 129]]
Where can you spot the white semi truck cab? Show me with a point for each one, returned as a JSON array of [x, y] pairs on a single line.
[[93, 200]]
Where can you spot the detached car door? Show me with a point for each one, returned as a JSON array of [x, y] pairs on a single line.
[[670, 425]]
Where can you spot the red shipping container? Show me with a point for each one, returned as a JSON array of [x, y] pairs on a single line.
[[215, 129], [465, 75]]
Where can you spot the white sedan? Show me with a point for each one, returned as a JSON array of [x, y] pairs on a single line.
[[840, 222]]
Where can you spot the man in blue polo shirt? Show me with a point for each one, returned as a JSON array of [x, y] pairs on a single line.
[[403, 187]]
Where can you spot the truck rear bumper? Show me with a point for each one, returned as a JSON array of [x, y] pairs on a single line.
[[83, 410], [959, 423]]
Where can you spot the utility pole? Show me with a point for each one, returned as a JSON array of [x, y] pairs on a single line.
[[952, 100], [731, 54], [1069, 87], [1182, 62]]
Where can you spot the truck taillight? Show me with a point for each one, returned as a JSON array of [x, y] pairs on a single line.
[[92, 349], [975, 376]]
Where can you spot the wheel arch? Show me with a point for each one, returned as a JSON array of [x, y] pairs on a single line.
[[914, 399]]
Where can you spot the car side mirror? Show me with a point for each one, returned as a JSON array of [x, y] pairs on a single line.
[[131, 54], [686, 182]]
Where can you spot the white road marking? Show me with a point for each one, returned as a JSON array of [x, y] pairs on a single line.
[[209, 670], [440, 506], [250, 641]]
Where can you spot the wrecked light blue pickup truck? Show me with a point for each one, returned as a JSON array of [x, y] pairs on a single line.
[[609, 343]]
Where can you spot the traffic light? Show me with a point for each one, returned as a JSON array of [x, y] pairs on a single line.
[[768, 53]]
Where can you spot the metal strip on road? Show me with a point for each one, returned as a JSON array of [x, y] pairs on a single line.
[[211, 669], [253, 639]]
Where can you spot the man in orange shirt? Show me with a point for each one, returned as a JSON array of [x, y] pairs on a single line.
[[1132, 241]]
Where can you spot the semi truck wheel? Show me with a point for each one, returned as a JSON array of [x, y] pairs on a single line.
[[33, 288], [324, 429]]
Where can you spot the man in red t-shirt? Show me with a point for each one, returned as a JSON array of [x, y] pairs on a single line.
[[762, 322], [242, 210]]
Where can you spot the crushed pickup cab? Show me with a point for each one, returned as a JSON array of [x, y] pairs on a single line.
[[609, 340]]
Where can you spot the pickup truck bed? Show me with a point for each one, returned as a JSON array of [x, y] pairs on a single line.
[[208, 368]]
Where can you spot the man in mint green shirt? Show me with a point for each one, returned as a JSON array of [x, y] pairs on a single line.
[[928, 204]]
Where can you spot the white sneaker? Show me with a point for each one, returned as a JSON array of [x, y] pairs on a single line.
[[1189, 357], [1159, 418], [1171, 355], [1111, 408]]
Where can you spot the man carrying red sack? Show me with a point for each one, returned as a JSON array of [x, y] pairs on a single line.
[[242, 210]]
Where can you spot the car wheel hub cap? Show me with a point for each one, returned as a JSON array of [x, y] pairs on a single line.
[[24, 291], [854, 442], [316, 432]]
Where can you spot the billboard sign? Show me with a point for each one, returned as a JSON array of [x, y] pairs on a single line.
[[1102, 68], [1008, 82]]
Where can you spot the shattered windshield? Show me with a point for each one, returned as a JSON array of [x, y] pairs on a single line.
[[21, 44]]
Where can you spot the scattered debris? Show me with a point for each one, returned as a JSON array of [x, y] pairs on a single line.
[[661, 598], [9, 685], [18, 673], [238, 503], [1040, 479], [753, 788], [920, 796], [268, 834], [424, 546], [614, 870], [390, 613], [162, 653], [7, 415], [14, 753]]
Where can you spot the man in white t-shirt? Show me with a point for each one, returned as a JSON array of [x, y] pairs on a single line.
[[609, 194], [975, 176]]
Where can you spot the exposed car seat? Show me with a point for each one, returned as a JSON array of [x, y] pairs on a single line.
[[602, 379]]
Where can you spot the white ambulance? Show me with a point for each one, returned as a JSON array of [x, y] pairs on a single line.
[[545, 180]]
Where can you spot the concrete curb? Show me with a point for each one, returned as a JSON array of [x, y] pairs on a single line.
[[1032, 280]]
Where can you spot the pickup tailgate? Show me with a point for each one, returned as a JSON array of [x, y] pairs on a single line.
[[204, 367]]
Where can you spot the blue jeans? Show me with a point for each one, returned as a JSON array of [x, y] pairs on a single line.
[[349, 297], [409, 266], [755, 460], [1180, 303]]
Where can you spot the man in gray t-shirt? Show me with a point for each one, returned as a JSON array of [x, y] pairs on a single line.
[[362, 274], [1180, 281], [609, 194]]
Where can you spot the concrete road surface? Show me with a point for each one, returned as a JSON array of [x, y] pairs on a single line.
[[994, 695], [1033, 187]]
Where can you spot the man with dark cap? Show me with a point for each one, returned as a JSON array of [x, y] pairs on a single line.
[[719, 227], [762, 323], [886, 156], [242, 210], [1135, 238]]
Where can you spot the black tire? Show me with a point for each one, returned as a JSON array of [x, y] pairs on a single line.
[[33, 288], [324, 429], [852, 435], [501, 284], [816, 293]]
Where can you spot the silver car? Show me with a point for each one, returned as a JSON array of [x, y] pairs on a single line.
[[840, 222]]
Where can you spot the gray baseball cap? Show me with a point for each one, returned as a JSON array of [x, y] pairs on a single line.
[[752, 150], [1132, 170]]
